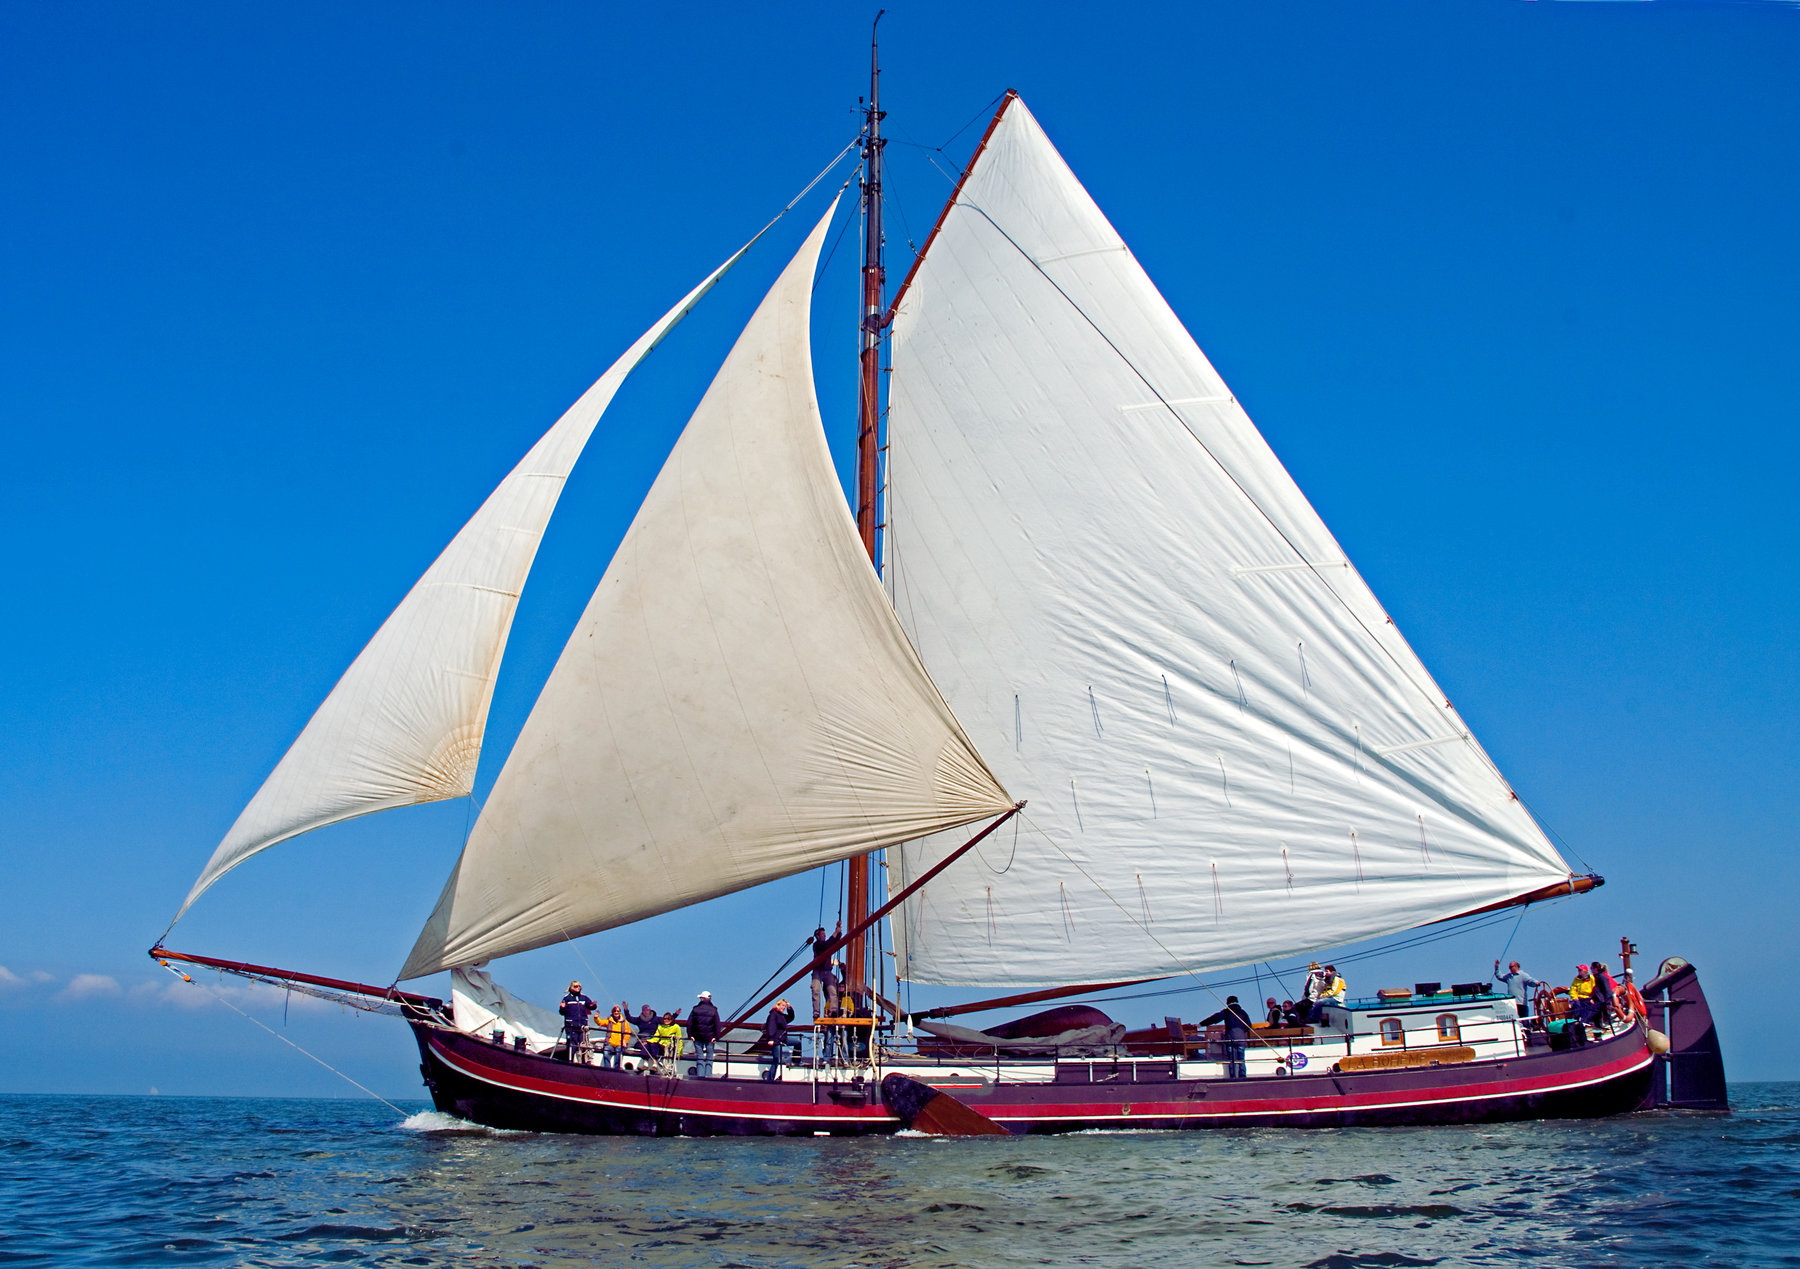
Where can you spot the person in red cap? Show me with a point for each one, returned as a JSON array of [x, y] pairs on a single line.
[[1581, 994]]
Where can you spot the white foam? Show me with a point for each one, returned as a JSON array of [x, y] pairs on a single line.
[[437, 1123]]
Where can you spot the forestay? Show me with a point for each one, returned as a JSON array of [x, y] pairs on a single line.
[[1229, 751], [738, 702], [405, 723]]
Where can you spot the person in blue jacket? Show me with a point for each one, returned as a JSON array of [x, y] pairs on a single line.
[[1238, 1030], [775, 1031], [576, 1009], [1522, 986]]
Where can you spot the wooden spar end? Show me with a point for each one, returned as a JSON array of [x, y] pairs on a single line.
[[1555, 890], [246, 969]]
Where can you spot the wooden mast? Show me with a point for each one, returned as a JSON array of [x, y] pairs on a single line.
[[868, 433]]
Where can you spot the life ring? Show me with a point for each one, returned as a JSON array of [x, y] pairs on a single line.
[[1635, 1002]]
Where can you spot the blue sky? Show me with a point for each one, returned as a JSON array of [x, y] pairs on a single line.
[[1510, 287]]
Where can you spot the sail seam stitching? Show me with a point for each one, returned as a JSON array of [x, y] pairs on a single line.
[[1431, 696]]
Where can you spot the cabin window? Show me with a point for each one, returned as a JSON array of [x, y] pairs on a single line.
[[1447, 1028], [1392, 1032]]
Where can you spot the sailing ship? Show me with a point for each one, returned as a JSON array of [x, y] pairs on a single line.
[[1081, 614]]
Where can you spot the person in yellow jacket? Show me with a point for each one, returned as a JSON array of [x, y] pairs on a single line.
[[617, 1030], [1581, 995], [1331, 991], [667, 1041]]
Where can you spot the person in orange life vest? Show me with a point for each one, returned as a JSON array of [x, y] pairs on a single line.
[[617, 1030]]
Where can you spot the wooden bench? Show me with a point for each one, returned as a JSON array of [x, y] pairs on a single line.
[[1404, 1059]]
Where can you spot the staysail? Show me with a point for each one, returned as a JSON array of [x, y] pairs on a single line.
[[1229, 751], [404, 725], [738, 702]]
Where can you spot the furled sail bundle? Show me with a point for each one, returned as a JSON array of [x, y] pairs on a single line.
[[405, 723], [738, 702], [1229, 751]]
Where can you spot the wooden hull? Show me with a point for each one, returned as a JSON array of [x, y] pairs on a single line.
[[503, 1088]]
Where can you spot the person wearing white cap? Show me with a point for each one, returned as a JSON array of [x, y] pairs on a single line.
[[703, 1030]]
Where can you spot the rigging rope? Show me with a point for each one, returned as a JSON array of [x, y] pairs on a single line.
[[220, 997], [1515, 934], [739, 1011]]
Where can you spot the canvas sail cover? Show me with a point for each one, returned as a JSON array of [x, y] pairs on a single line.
[[481, 1006], [405, 723], [1229, 751], [738, 702]]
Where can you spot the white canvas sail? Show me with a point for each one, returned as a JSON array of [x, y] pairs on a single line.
[[405, 723], [738, 702], [1229, 751]]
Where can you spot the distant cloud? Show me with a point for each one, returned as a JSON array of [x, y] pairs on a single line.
[[83, 986], [201, 994], [10, 980]]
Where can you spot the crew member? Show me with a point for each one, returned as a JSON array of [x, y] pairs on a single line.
[[1309, 991], [1522, 985], [667, 1039], [1581, 994], [824, 982], [1606, 994], [576, 1009], [1276, 1017], [703, 1030], [1238, 1029], [1332, 990], [618, 1038], [775, 1032], [647, 1022]]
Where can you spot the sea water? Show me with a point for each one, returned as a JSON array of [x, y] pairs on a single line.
[[176, 1181]]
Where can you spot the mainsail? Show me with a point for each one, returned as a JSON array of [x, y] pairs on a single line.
[[1229, 751], [405, 723], [738, 702]]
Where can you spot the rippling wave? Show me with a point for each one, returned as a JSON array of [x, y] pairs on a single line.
[[155, 1181]]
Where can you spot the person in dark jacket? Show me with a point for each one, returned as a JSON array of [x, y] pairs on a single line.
[[1606, 994], [576, 1009], [1238, 1030], [703, 1030], [775, 1032], [647, 1021], [824, 982]]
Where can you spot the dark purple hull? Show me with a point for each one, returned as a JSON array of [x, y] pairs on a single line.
[[490, 1084]]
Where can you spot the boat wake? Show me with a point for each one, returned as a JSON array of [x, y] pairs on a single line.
[[437, 1124]]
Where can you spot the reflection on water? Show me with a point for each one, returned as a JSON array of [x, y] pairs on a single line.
[[111, 1181]]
